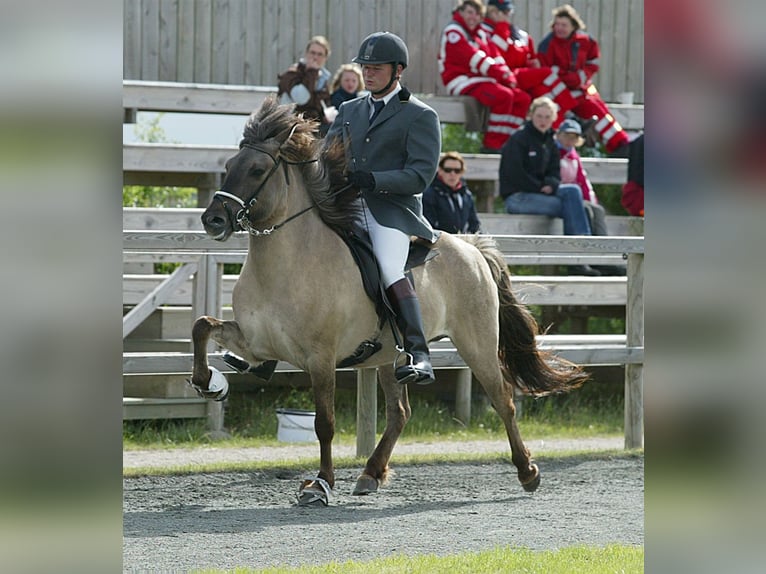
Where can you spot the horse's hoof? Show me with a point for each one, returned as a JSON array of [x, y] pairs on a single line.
[[532, 484], [217, 388], [365, 484], [315, 492]]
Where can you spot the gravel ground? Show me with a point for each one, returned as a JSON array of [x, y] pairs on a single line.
[[249, 519]]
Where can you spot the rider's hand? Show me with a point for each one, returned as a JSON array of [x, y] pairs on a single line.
[[361, 179]]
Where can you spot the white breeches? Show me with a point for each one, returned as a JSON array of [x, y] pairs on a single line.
[[389, 245]]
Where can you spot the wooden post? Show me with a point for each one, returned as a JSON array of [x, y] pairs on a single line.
[[463, 396], [206, 300], [366, 410], [634, 373]]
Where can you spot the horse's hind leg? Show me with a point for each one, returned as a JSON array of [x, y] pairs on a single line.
[[226, 334], [397, 414], [485, 367]]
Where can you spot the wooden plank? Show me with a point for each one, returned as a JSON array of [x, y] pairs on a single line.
[[156, 297], [243, 99], [463, 396], [174, 218], [252, 67], [486, 167], [131, 39], [193, 158], [619, 54], [634, 373], [219, 53], [236, 40], [168, 49], [185, 70], [150, 41], [203, 30], [532, 289], [634, 82], [193, 97], [442, 358], [326, 17], [134, 408], [270, 62]]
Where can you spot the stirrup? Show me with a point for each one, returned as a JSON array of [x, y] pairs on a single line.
[[409, 373]]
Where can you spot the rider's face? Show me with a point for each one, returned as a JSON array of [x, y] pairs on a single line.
[[376, 76]]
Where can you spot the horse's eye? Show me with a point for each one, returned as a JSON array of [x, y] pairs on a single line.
[[257, 172]]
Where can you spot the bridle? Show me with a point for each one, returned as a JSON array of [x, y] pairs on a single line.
[[242, 217]]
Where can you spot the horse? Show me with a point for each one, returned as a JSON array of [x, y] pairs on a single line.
[[299, 296]]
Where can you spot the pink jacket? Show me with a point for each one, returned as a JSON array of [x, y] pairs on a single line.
[[573, 172]]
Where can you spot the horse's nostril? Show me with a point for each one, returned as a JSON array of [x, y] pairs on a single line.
[[214, 221]]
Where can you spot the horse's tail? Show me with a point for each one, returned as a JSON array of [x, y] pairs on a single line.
[[531, 370]]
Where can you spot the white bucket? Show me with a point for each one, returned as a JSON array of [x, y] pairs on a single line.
[[296, 425], [625, 98]]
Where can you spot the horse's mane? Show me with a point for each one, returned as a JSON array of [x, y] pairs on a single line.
[[270, 127]]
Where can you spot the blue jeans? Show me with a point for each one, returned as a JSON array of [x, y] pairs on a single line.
[[566, 203]]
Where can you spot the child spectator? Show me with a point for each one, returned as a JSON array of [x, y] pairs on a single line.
[[448, 203], [347, 84], [568, 139]]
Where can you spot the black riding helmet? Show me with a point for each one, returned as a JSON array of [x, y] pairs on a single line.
[[383, 48]]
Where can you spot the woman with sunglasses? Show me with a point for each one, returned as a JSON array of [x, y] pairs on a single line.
[[448, 203]]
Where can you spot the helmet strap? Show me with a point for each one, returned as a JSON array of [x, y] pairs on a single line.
[[390, 83]]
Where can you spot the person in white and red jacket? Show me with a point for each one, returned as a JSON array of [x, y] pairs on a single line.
[[518, 50], [575, 54], [470, 65]]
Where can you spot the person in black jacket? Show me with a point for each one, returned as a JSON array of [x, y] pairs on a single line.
[[530, 180], [448, 203]]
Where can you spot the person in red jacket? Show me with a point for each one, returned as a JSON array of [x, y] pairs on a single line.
[[470, 65], [518, 50], [574, 55]]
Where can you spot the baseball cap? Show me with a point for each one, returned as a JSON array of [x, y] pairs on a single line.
[[502, 5], [570, 127]]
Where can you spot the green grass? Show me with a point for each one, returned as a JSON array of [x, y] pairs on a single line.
[[594, 410], [574, 560]]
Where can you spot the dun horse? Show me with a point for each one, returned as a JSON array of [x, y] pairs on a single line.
[[299, 297]]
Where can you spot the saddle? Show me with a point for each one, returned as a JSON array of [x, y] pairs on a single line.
[[360, 245]]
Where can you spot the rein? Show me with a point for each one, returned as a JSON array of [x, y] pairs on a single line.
[[242, 217]]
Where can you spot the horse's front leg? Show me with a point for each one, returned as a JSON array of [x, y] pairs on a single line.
[[398, 412], [317, 491], [208, 381]]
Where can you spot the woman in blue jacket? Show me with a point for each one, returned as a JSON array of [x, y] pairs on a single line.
[[448, 203]]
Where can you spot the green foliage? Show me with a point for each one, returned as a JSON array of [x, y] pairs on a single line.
[[456, 138], [148, 130]]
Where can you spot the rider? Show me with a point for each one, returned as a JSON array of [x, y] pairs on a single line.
[[392, 141]]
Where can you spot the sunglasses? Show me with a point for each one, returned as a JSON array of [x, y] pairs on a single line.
[[452, 170]]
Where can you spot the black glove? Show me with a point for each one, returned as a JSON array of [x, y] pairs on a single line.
[[361, 179]]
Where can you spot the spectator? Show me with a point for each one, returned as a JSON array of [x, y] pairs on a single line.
[[575, 54], [470, 65], [530, 181], [347, 84], [568, 139], [633, 191], [307, 84], [518, 50], [448, 203]]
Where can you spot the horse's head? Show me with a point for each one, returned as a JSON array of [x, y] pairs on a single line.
[[254, 187]]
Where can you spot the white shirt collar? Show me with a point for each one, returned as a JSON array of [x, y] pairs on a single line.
[[391, 94]]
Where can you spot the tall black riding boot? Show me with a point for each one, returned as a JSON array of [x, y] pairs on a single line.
[[405, 302]]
